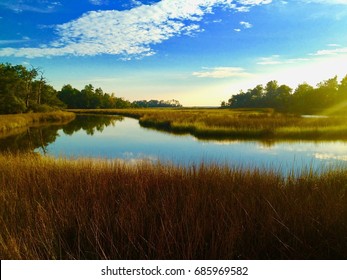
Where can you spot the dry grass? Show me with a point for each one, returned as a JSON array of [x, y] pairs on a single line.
[[236, 124], [10, 123], [84, 209]]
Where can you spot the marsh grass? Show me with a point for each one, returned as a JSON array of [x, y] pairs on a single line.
[[10, 123], [95, 209], [236, 124]]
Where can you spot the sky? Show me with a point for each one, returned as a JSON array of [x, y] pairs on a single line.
[[199, 52]]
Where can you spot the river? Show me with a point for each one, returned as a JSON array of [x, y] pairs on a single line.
[[111, 137]]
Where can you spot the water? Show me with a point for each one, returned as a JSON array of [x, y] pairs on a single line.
[[123, 138]]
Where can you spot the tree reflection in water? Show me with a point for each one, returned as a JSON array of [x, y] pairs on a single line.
[[40, 137]]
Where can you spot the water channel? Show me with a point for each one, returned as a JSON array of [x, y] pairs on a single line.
[[123, 138]]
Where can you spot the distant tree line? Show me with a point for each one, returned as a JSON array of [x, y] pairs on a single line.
[[304, 99], [156, 103], [90, 98], [27, 90]]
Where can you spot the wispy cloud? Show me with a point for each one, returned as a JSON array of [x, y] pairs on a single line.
[[334, 50], [270, 60], [130, 33], [246, 24], [221, 72], [278, 60], [136, 2], [334, 45], [98, 2], [243, 25], [328, 52], [36, 6], [9, 42], [329, 2]]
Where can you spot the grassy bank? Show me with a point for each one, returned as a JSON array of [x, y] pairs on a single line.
[[10, 123], [237, 124], [62, 209]]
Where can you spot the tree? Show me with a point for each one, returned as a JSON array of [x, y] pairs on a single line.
[[270, 94], [302, 99], [12, 87], [68, 95], [27, 76], [283, 98], [11, 104], [342, 89]]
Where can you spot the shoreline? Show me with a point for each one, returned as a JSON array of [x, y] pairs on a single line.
[[11, 124], [222, 124]]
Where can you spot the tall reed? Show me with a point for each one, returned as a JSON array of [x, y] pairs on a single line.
[[9, 123], [236, 124], [95, 209]]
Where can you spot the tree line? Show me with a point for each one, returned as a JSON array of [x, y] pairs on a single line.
[[305, 99], [27, 90], [91, 98]]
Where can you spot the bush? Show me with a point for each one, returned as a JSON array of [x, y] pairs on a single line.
[[41, 108], [10, 104]]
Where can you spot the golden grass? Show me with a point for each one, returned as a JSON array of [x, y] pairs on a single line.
[[236, 124], [10, 123], [84, 209]]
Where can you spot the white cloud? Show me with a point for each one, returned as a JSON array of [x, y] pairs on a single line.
[[330, 2], [7, 42], [97, 2], [136, 3], [36, 6], [254, 2], [246, 24], [271, 60], [278, 60], [221, 72], [129, 33], [334, 45], [335, 51]]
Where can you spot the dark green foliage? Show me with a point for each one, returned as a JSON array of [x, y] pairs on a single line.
[[11, 104], [23, 90], [304, 100], [90, 98]]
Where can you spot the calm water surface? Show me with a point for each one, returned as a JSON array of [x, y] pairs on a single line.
[[123, 138]]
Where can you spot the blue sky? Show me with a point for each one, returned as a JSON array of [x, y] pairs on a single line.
[[199, 51]]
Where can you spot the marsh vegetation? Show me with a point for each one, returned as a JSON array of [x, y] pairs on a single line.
[[56, 208], [11, 122], [87, 209], [236, 123]]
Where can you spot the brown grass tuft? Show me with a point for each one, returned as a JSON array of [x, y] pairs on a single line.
[[85, 209]]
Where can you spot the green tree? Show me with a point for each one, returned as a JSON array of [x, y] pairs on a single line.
[[302, 99], [11, 89], [342, 90], [23, 90]]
